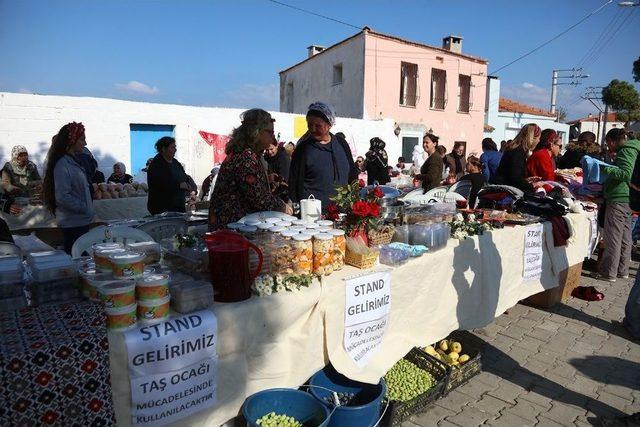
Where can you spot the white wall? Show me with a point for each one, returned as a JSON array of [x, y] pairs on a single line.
[[593, 127], [313, 80], [31, 120]]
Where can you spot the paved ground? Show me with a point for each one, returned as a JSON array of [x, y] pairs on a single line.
[[564, 366]]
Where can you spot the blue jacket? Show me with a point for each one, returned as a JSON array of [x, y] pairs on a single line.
[[74, 207], [490, 161]]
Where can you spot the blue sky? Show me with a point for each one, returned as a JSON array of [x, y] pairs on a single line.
[[228, 53]]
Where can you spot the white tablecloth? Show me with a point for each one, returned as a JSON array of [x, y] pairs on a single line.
[[106, 210], [281, 340]]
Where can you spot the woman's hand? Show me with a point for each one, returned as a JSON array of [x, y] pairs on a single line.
[[533, 179], [288, 209]]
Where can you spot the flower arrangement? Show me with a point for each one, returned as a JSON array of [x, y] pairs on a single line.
[[461, 229], [361, 215], [181, 241], [266, 285]]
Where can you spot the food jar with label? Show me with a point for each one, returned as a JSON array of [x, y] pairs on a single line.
[[339, 248], [302, 254], [323, 254]]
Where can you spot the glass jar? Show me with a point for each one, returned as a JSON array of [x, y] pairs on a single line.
[[325, 223], [288, 234], [302, 254], [297, 228], [285, 223], [324, 229], [339, 248], [312, 226], [323, 254], [300, 222]]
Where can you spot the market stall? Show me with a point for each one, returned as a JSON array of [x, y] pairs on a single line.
[[37, 216], [282, 339]]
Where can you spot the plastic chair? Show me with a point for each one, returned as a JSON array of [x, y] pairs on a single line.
[[7, 248], [164, 228], [107, 233], [461, 187]]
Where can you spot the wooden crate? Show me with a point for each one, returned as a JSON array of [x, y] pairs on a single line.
[[569, 280]]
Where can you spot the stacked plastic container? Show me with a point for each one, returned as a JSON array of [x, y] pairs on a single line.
[[434, 236], [54, 277], [11, 283]]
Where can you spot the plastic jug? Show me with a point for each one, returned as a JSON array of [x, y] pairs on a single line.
[[229, 265]]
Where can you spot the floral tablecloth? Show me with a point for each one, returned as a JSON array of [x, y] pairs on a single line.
[[54, 367]]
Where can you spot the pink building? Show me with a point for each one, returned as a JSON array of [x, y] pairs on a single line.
[[373, 75]]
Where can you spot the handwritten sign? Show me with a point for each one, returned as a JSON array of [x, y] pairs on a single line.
[[532, 252], [172, 368], [368, 303]]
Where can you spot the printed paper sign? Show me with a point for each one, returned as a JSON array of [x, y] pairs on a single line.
[[172, 368], [368, 303], [593, 236], [173, 344], [533, 252], [164, 398]]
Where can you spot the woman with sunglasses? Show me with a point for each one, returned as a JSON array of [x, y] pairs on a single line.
[[513, 164], [541, 163]]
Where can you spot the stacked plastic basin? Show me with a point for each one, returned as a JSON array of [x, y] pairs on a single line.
[[54, 277], [11, 283], [434, 235]]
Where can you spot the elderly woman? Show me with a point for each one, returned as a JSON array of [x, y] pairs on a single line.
[[119, 175], [321, 160], [20, 174], [377, 162], [242, 186], [167, 180]]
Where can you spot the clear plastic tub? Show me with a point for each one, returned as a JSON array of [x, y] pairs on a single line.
[[52, 265], [339, 248], [323, 254], [10, 269], [152, 251], [128, 265], [302, 254], [154, 311], [191, 296]]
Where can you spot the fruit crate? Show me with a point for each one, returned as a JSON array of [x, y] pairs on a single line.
[[472, 346], [397, 412]]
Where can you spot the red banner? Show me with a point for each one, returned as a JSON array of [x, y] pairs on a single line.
[[218, 142]]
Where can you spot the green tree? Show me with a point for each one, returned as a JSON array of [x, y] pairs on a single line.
[[636, 70], [622, 98]]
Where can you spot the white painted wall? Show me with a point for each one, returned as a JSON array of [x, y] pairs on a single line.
[[593, 127], [313, 80], [31, 120]]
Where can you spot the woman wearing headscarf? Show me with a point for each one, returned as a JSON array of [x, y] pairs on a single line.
[[20, 174], [377, 162], [321, 160], [242, 186], [119, 175], [66, 191], [541, 163]]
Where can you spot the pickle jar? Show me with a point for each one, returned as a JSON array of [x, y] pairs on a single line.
[[339, 248], [323, 254], [302, 254]]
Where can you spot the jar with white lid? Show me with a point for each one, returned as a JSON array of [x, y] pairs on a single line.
[[339, 248], [302, 254], [298, 228], [323, 254], [324, 229], [325, 223]]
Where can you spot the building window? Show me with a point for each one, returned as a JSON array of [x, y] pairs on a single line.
[[438, 89], [464, 93], [337, 74], [408, 84], [289, 97]]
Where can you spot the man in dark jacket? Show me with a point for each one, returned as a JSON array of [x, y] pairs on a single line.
[[321, 160], [586, 145], [278, 160]]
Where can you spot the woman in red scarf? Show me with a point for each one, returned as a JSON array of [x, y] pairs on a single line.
[[541, 163]]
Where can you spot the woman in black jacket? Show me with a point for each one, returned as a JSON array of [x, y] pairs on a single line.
[[377, 162], [512, 170], [167, 180]]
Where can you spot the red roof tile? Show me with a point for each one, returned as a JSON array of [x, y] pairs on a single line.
[[511, 106], [611, 117]]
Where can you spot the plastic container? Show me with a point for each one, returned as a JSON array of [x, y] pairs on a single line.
[[325, 223], [51, 265], [252, 222], [285, 223], [393, 256], [272, 220], [297, 228], [311, 233], [153, 311], [128, 265], [312, 226], [91, 280], [152, 287], [324, 229], [288, 234], [301, 254], [118, 294], [300, 222], [152, 251], [264, 226], [191, 296], [121, 318], [101, 258], [323, 254], [339, 248], [11, 290], [365, 400], [294, 403], [277, 229], [10, 269], [234, 226]]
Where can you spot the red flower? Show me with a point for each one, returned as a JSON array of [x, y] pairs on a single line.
[[377, 192], [89, 366], [361, 208], [374, 209], [43, 378], [95, 405], [361, 183], [333, 212], [49, 417], [250, 179]]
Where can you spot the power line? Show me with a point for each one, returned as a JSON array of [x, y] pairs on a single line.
[[315, 14], [603, 34], [554, 38], [611, 38]]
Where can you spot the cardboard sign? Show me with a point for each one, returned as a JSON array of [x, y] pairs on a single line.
[[532, 252], [368, 303]]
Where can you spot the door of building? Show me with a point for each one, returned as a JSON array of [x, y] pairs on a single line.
[[143, 140], [408, 142]]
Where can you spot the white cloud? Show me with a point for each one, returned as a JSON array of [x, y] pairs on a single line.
[[25, 90], [254, 96], [137, 87], [528, 85], [527, 93]]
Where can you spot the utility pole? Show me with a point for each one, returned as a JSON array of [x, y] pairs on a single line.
[[575, 76], [594, 93]]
